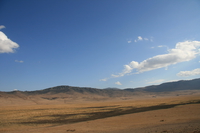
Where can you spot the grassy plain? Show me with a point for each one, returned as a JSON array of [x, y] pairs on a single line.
[[41, 118]]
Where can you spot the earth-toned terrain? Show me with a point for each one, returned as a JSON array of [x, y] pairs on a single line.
[[65, 109]]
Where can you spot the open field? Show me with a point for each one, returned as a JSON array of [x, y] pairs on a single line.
[[135, 115]]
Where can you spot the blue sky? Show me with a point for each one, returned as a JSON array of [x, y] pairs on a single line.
[[97, 43]]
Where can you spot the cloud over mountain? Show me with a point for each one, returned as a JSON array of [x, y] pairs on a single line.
[[118, 83], [189, 73], [156, 81], [183, 51]]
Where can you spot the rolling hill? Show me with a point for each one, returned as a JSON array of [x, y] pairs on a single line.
[[67, 94]]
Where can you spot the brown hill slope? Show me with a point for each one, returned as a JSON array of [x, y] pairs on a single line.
[[68, 94]]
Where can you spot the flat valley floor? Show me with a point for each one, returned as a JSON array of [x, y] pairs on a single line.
[[171, 114]]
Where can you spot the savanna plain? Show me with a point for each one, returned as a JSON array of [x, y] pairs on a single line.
[[142, 114]]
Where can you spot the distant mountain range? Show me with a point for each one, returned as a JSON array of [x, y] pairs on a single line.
[[63, 93], [171, 86], [193, 84]]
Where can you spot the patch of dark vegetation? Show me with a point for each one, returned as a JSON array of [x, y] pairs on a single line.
[[73, 118], [50, 98], [165, 131], [102, 106], [196, 132], [70, 130]]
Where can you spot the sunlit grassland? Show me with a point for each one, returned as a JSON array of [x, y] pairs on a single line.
[[15, 117]]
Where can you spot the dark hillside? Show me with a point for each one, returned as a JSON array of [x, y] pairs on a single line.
[[112, 92], [80, 90], [171, 86]]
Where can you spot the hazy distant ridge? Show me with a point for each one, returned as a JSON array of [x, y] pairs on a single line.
[[165, 87], [171, 86]]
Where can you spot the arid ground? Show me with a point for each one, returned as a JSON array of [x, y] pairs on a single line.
[[157, 114]]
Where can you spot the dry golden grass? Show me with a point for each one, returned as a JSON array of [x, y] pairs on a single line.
[[18, 117]]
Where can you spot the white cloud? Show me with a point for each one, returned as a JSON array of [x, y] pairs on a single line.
[[160, 46], [156, 81], [127, 69], [2, 27], [105, 79], [140, 38], [19, 61], [189, 73], [174, 80], [183, 51], [118, 83], [129, 41], [7, 45]]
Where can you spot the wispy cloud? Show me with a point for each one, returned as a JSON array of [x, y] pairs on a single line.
[[140, 38], [118, 83], [156, 81], [173, 80], [7, 45], [19, 61], [189, 73], [129, 41], [183, 51], [160, 46], [105, 79], [2, 27]]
